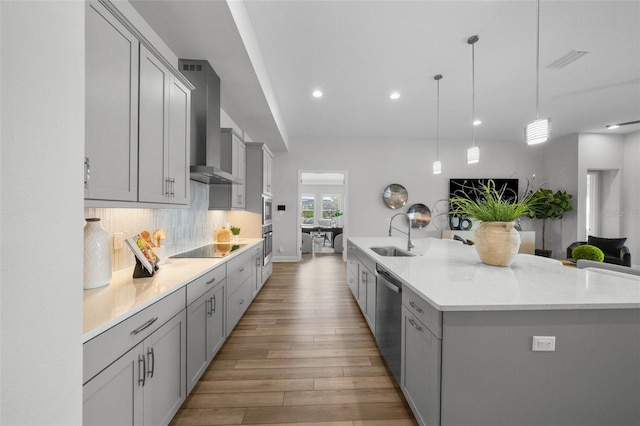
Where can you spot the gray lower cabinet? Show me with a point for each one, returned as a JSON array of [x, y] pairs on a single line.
[[239, 270], [352, 269], [256, 272], [421, 367], [145, 386], [205, 331]]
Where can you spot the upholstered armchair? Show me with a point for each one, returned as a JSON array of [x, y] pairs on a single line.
[[614, 250]]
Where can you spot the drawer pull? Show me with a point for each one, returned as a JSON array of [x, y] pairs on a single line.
[[416, 326], [242, 301], [211, 281], [144, 326], [241, 269], [416, 307]]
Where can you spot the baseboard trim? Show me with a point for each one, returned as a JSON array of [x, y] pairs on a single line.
[[284, 259]]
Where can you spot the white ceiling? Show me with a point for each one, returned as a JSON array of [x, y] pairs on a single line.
[[358, 52]]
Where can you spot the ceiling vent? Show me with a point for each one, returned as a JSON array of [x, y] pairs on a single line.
[[566, 59]]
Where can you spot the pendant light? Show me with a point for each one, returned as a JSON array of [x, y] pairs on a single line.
[[437, 165], [473, 153], [538, 130]]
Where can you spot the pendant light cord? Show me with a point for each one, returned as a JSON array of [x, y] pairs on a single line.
[[473, 93], [438, 77], [472, 41], [538, 63]]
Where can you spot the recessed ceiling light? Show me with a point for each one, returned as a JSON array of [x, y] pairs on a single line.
[[317, 93], [394, 95], [612, 126], [477, 122]]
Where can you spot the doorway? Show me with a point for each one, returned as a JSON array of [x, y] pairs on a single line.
[[322, 212]]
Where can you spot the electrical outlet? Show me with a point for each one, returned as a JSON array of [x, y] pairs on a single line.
[[118, 240], [543, 344]]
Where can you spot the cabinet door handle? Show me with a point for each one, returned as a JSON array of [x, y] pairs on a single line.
[[242, 301], [142, 360], [241, 269], [416, 307], [416, 326], [143, 326], [213, 305], [87, 172], [211, 281], [173, 187], [152, 362]]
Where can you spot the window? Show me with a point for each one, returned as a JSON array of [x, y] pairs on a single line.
[[308, 202], [331, 204]]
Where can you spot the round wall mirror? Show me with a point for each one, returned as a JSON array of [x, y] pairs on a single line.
[[395, 196], [420, 216]]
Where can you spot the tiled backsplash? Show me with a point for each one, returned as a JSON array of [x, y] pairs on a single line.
[[185, 229]]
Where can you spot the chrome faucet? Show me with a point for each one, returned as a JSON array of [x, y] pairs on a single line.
[[408, 234]]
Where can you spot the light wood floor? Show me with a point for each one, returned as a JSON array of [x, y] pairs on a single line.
[[302, 354]]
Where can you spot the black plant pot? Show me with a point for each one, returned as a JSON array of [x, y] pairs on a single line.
[[543, 253]]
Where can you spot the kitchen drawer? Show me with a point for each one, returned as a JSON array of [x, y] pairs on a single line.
[[238, 270], [423, 311], [201, 285], [237, 303], [107, 347]]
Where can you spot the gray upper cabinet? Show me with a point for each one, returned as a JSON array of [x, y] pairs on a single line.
[[111, 131], [137, 117], [258, 173], [233, 160], [164, 133]]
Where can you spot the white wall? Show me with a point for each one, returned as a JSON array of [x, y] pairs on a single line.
[[42, 122], [559, 171], [374, 164], [630, 214], [605, 153]]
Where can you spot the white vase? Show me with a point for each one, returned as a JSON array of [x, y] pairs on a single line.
[[97, 255], [497, 243]]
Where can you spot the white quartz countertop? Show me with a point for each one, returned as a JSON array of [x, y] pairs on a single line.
[[451, 277], [125, 296]]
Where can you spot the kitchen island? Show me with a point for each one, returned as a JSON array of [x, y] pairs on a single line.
[[468, 338]]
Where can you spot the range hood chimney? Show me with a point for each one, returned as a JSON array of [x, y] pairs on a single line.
[[205, 123]]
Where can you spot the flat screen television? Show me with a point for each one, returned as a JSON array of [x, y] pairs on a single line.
[[470, 186]]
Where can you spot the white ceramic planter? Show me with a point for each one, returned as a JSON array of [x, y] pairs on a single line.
[[97, 255], [497, 243]]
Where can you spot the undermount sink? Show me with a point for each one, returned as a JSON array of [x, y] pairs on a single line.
[[391, 251]]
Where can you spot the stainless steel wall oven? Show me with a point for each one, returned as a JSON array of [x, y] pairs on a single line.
[[267, 234]]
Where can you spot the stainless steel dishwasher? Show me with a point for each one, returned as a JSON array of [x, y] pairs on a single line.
[[388, 319]]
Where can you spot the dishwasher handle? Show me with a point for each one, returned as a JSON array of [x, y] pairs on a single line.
[[389, 280]]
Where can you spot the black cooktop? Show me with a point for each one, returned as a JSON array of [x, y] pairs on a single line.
[[211, 250]]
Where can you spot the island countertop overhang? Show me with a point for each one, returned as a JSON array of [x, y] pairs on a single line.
[[451, 277]]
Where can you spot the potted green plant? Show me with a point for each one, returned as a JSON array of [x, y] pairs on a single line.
[[236, 232], [588, 252], [496, 239], [546, 204]]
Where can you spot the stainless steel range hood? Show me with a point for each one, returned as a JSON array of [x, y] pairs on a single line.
[[205, 123]]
